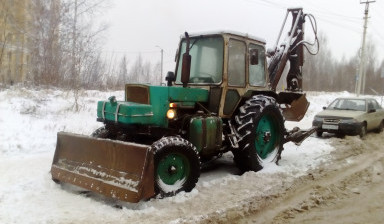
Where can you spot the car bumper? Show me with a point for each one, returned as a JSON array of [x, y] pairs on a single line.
[[352, 128]]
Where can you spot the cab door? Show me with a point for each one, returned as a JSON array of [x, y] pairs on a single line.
[[236, 76]]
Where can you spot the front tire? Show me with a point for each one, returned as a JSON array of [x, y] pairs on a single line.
[[380, 128], [177, 166], [101, 132], [260, 125], [363, 130]]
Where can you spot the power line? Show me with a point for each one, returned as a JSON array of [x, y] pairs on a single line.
[[338, 24], [129, 52], [329, 14], [321, 9], [377, 33]]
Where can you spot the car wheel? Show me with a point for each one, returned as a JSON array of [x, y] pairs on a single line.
[[380, 128], [363, 130], [319, 133]]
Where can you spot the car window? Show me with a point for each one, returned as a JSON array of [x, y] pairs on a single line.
[[372, 105], [348, 104], [376, 105]]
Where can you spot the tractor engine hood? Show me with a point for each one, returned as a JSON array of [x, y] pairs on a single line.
[[147, 105]]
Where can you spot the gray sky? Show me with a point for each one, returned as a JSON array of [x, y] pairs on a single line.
[[139, 26]]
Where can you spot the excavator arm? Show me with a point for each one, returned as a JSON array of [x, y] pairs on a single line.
[[291, 51]]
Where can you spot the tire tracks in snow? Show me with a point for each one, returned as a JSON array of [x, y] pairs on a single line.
[[357, 166]]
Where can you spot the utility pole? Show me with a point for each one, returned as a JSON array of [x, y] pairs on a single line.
[[361, 77], [161, 69]]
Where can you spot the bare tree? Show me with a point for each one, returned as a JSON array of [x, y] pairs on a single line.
[[44, 44], [4, 13], [122, 77], [319, 70], [82, 43], [94, 73]]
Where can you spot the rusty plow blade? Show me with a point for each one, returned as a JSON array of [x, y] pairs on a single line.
[[116, 169]]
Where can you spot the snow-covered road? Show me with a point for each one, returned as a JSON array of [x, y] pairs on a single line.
[[30, 119]]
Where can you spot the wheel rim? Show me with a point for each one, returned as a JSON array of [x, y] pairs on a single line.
[[172, 168], [266, 136]]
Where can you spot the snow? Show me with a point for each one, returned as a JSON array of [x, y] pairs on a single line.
[[29, 122]]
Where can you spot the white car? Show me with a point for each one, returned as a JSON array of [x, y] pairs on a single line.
[[350, 116]]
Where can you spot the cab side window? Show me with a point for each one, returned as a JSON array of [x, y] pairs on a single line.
[[257, 70], [236, 63]]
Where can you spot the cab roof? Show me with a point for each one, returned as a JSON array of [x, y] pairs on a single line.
[[221, 32]]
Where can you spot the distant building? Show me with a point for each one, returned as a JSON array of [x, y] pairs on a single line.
[[14, 56]]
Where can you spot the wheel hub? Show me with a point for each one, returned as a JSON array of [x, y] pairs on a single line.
[[267, 137], [172, 170]]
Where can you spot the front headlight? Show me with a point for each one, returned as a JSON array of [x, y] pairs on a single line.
[[171, 114], [316, 118]]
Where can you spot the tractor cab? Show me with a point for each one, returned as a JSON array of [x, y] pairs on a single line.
[[228, 64]]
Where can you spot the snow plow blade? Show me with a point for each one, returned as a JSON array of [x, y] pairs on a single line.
[[116, 169]]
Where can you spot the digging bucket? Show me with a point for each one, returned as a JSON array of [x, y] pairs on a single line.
[[295, 105], [116, 169]]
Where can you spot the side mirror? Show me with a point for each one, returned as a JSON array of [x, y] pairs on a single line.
[[254, 57], [324, 108], [170, 78], [186, 69]]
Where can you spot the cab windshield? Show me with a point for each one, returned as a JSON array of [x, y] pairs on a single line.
[[207, 60]]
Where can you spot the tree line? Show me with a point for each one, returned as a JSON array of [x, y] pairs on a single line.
[[322, 72], [65, 46]]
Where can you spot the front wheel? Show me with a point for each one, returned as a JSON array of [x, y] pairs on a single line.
[[363, 130], [177, 166], [101, 132], [380, 128], [260, 125]]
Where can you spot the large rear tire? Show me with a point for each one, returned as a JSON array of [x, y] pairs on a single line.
[[177, 166], [260, 124]]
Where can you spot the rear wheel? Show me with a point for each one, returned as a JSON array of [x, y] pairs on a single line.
[[177, 166], [261, 127]]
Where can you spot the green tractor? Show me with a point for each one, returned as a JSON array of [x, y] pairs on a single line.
[[221, 98]]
